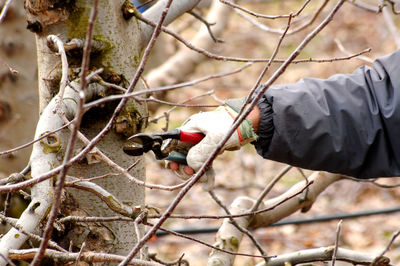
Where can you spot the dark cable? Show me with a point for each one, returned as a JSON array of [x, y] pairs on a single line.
[[318, 219]]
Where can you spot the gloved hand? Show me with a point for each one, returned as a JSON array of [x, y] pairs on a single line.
[[214, 125]]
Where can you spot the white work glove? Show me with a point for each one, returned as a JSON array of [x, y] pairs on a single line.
[[215, 125]]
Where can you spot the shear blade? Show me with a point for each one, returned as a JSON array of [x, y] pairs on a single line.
[[134, 149]]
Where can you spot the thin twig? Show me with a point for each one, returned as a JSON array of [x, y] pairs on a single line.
[[268, 188], [56, 45], [166, 114], [208, 26], [16, 177], [291, 32], [305, 179], [219, 57], [265, 69], [163, 88], [4, 10], [240, 228], [341, 48], [178, 216], [33, 141], [14, 224], [12, 70], [395, 235], [206, 244], [152, 99], [110, 200], [339, 226], [390, 25], [190, 83], [171, 263], [372, 181], [80, 254], [258, 15], [365, 6]]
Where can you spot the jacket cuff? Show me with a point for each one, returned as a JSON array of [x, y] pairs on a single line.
[[265, 127]]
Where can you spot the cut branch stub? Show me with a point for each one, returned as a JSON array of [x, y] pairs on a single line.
[[128, 10], [51, 143], [43, 13]]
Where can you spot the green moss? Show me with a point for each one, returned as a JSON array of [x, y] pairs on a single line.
[[234, 242], [51, 143], [113, 201], [78, 23], [223, 243]]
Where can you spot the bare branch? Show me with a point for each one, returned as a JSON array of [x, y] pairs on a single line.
[[268, 188], [90, 257], [226, 58], [208, 26], [3, 12], [155, 12], [237, 225], [33, 141], [365, 6], [390, 24], [206, 244], [341, 48], [112, 202], [320, 254], [275, 31], [56, 45], [395, 235], [258, 15], [337, 238], [184, 62], [12, 70], [10, 221]]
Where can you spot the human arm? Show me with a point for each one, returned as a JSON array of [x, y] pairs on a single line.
[[348, 124]]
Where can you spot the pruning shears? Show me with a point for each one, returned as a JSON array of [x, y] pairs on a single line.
[[141, 143]]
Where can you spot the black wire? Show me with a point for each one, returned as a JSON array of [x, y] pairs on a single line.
[[318, 219]]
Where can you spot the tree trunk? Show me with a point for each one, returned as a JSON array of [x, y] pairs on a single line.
[[116, 49]]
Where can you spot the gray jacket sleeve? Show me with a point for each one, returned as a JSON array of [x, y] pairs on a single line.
[[347, 124]]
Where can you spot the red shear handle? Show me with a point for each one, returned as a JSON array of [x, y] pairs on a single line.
[[191, 137]]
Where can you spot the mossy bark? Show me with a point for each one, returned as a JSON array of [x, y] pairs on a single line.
[[119, 54]]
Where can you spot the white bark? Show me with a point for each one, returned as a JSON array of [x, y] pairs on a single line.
[[184, 62], [229, 237], [45, 155], [178, 7], [320, 254], [121, 56]]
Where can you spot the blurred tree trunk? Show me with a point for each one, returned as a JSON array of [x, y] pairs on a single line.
[[18, 94]]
